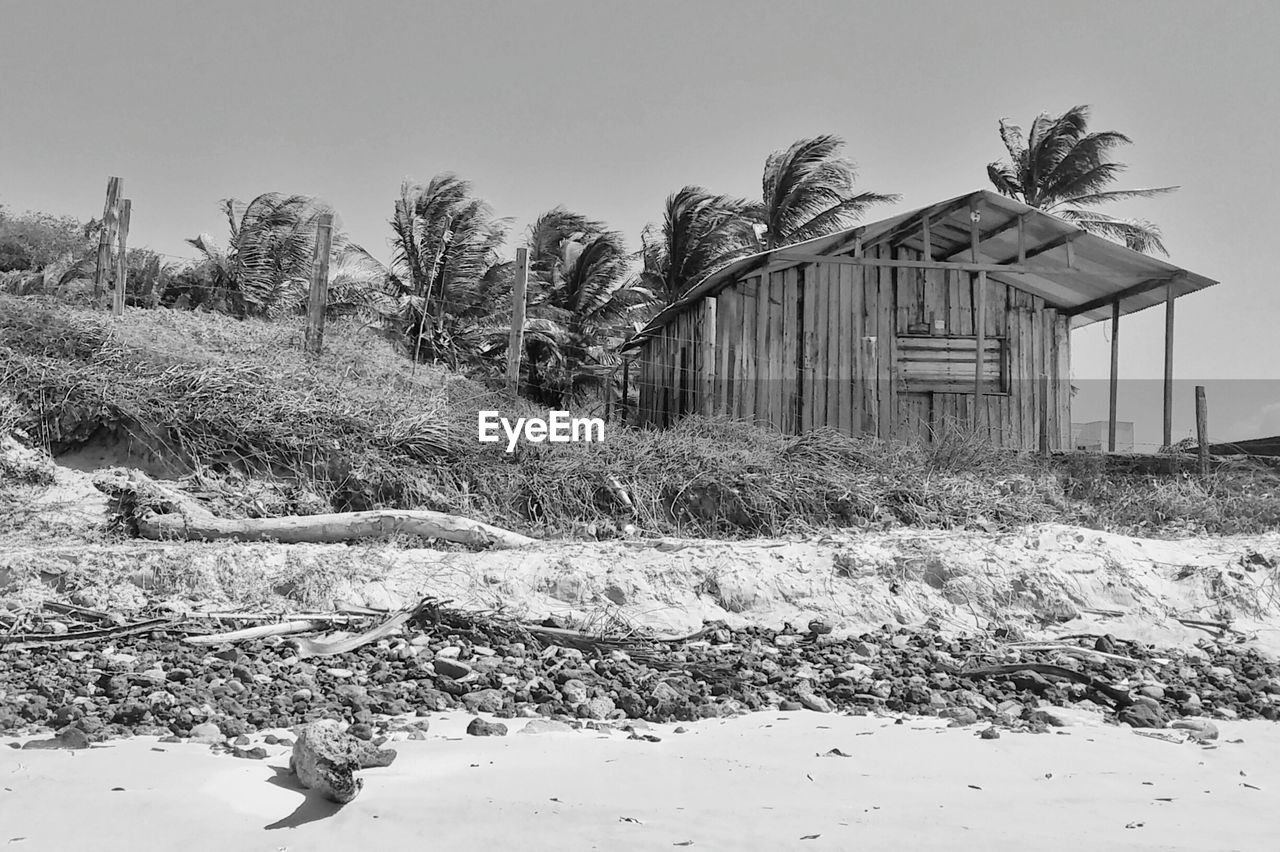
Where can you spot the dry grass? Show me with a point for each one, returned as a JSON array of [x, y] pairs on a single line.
[[267, 429]]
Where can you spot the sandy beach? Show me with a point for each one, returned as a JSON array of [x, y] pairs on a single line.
[[763, 781]]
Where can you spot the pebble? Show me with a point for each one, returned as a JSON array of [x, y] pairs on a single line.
[[261, 685], [450, 668]]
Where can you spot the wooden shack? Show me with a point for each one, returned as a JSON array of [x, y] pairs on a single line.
[[960, 312]]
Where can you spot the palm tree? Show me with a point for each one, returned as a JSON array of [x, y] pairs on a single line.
[[445, 269], [700, 233], [268, 256], [1063, 169], [809, 192], [359, 284], [581, 302]]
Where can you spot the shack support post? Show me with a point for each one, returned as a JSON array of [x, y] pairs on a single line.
[[1115, 375], [1168, 366]]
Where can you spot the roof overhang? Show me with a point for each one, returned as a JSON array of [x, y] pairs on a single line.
[[1078, 273]]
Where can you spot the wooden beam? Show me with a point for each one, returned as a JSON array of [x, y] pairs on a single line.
[[787, 258], [122, 263], [1168, 366], [925, 235], [1115, 376], [1024, 254], [853, 239], [1015, 222], [908, 228], [1135, 290], [979, 315], [1022, 239], [707, 357]]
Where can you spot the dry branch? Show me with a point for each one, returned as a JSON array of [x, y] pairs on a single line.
[[1119, 696], [39, 640], [328, 647], [260, 632]]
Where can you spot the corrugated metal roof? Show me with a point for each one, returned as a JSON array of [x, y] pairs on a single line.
[[1099, 269]]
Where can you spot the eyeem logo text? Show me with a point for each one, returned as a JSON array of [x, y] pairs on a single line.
[[558, 428]]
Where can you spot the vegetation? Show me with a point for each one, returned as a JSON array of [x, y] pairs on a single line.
[[30, 242], [266, 264], [700, 232], [445, 271], [582, 305], [224, 393], [235, 403], [1063, 169], [809, 192]]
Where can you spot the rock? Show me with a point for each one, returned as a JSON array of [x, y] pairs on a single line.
[[450, 668], [484, 728], [1151, 691], [484, 700], [990, 733], [351, 695], [325, 759], [816, 703], [545, 726], [1066, 717], [574, 692], [1201, 729], [68, 738], [255, 753], [959, 716], [857, 673], [864, 650], [790, 705], [596, 708], [207, 733], [1142, 716]]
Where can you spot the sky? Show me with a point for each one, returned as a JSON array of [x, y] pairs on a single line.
[[607, 107]]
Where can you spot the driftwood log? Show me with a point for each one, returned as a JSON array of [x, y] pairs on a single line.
[[330, 528], [184, 518]]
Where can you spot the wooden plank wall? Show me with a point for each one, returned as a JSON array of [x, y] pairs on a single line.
[[816, 345]]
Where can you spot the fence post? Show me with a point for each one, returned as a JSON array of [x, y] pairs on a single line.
[[105, 238], [515, 344], [122, 262], [1202, 429], [319, 297]]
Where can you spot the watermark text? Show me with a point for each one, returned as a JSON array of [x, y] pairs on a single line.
[[559, 428]]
